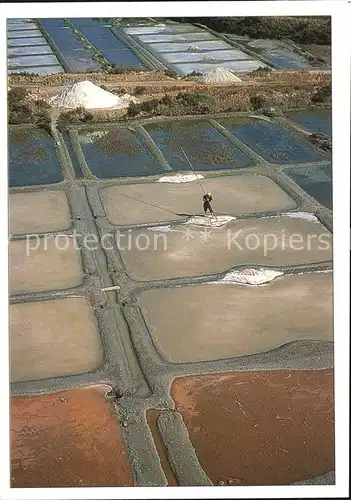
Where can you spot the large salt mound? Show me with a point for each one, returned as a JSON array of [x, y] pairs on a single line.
[[89, 96], [219, 75]]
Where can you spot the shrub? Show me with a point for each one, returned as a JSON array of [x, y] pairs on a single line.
[[195, 98], [133, 109], [139, 90], [78, 115], [170, 73], [117, 70], [167, 100], [193, 73], [322, 95], [311, 29], [16, 95], [258, 101]]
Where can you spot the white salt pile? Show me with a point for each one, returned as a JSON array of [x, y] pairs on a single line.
[[219, 75], [209, 221], [301, 215], [180, 178], [249, 276], [87, 95], [194, 48]]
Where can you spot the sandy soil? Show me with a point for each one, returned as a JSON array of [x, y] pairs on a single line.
[[188, 250], [38, 212], [154, 202], [67, 439], [209, 322], [260, 428], [47, 268], [53, 338]]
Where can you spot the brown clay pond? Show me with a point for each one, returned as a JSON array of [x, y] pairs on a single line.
[[67, 439], [259, 428]]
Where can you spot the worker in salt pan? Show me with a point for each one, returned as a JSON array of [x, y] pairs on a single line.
[[207, 199]]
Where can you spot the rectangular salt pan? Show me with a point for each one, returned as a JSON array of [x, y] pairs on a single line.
[[32, 157], [181, 37], [237, 66], [27, 42], [64, 39], [29, 51], [316, 181], [86, 21], [53, 23], [21, 26], [23, 34], [271, 141], [183, 47], [80, 60], [122, 58], [145, 30], [53, 338], [38, 70], [25, 61], [51, 264], [102, 38], [18, 20], [210, 56], [319, 120]]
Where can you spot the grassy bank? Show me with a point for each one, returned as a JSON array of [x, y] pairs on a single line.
[[308, 30]]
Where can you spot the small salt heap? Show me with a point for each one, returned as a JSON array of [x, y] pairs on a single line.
[[87, 95], [219, 75], [193, 48]]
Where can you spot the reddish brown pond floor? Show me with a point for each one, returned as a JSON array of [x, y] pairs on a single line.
[[260, 428], [67, 439]]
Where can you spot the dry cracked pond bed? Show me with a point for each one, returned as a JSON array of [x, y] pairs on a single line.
[[209, 364]]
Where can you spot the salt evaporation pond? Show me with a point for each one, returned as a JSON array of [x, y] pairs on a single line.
[[29, 51], [33, 60], [64, 39], [102, 38], [117, 153], [122, 58], [27, 42], [317, 120], [23, 34], [21, 26], [80, 60], [32, 158], [169, 29], [210, 56], [52, 23], [276, 52], [271, 141], [236, 66], [316, 181], [181, 37], [38, 70], [204, 145], [85, 21], [184, 47]]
